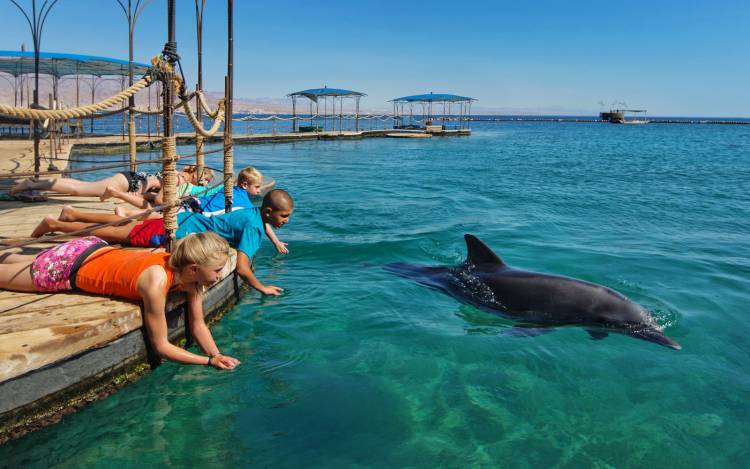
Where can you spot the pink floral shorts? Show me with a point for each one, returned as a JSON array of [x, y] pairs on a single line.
[[54, 269]]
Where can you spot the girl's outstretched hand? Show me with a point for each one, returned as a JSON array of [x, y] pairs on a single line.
[[222, 362], [281, 248]]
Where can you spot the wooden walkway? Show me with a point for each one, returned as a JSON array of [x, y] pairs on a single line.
[[45, 337]]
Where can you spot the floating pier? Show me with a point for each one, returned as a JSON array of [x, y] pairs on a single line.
[[60, 351]]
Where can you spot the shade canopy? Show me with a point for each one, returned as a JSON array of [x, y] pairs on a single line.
[[314, 93], [432, 98], [51, 63]]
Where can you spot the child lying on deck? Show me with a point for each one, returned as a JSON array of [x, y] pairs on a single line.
[[90, 265], [188, 183], [126, 181], [243, 229], [132, 183], [249, 184]]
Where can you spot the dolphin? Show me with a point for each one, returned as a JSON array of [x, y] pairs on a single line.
[[534, 299]]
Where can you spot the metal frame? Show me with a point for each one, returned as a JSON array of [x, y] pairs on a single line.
[[426, 101], [334, 95]]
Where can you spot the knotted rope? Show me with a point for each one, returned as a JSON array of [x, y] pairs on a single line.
[[80, 111], [169, 173], [197, 125], [201, 101], [200, 156], [158, 68]]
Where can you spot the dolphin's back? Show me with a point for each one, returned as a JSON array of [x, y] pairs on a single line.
[[552, 299]]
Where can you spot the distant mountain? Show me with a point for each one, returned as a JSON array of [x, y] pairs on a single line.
[[67, 95], [242, 105]]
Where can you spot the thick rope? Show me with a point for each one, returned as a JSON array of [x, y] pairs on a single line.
[[201, 101], [105, 114], [76, 111], [305, 118], [143, 111], [228, 170], [131, 142], [200, 155], [197, 126], [169, 183]]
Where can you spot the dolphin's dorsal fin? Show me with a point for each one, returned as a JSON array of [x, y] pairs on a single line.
[[479, 253]]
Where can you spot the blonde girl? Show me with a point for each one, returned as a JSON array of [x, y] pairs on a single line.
[[91, 265]]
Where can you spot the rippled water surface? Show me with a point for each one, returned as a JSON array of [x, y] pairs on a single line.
[[354, 366]]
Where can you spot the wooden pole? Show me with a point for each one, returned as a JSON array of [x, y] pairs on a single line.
[[228, 84], [131, 100], [199, 154], [168, 142]]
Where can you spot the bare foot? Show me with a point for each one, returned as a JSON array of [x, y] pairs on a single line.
[[44, 227], [68, 213], [22, 186], [120, 212], [108, 193]]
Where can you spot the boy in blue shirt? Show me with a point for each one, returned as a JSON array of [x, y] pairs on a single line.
[[249, 184], [243, 230]]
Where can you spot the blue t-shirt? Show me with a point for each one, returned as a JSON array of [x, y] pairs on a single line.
[[214, 203], [242, 229]]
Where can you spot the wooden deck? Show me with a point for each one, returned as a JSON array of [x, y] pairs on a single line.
[[56, 348]]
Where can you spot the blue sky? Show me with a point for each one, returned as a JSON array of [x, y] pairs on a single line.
[[674, 58]]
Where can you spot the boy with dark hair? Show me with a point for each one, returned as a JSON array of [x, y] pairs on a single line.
[[243, 229]]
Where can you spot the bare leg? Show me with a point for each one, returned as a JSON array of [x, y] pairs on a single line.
[[74, 186], [13, 258], [17, 276], [70, 214], [136, 200], [122, 212], [112, 234]]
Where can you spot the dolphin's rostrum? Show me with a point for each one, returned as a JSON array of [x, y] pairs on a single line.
[[536, 299]]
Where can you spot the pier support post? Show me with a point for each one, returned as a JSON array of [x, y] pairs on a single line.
[[169, 140], [199, 155], [228, 84]]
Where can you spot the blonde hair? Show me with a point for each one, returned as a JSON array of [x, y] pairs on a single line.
[[249, 175], [198, 248], [208, 173]]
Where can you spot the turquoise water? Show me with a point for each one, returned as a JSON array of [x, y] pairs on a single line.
[[355, 367]]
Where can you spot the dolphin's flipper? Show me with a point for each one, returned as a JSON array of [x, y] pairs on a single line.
[[479, 253], [528, 330], [597, 334]]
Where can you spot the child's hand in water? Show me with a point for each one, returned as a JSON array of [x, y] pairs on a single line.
[[222, 362], [281, 247], [272, 290]]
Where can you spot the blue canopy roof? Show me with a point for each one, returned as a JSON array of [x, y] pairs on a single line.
[[55, 64], [315, 93], [432, 98]]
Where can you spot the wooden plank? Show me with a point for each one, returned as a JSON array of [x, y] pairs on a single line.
[[29, 341]]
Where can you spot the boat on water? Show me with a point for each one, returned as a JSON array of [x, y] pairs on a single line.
[[619, 116]]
